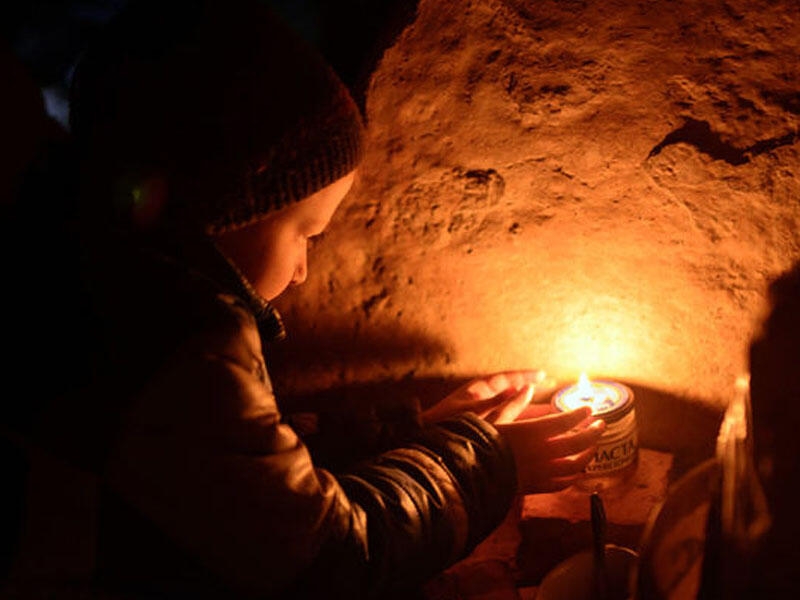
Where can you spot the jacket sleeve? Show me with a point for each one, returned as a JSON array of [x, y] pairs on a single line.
[[204, 455], [429, 503]]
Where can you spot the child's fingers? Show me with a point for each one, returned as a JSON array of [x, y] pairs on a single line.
[[570, 465], [496, 404], [503, 381], [554, 424], [511, 409], [516, 379], [480, 390], [577, 441], [490, 407]]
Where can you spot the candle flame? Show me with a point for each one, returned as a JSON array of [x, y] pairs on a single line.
[[585, 389], [600, 396]]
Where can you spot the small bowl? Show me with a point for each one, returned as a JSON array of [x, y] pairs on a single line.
[[573, 578]]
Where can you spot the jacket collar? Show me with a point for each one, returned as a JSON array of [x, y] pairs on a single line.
[[270, 323], [201, 255]]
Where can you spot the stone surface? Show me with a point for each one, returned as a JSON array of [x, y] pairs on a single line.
[[628, 503], [577, 186]]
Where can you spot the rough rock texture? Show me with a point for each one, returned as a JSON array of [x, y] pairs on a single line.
[[577, 186]]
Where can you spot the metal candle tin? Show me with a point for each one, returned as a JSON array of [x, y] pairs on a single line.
[[618, 449]]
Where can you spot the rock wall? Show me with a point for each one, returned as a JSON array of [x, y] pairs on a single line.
[[576, 186]]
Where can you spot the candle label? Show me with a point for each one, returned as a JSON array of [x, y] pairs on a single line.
[[618, 447]]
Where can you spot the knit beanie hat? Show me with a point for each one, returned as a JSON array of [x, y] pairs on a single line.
[[218, 98]]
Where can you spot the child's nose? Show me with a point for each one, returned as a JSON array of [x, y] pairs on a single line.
[[301, 272]]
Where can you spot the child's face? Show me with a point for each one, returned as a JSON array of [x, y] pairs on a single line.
[[272, 253]]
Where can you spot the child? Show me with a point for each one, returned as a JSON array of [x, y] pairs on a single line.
[[213, 145]]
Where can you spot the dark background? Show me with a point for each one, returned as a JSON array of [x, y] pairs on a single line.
[[48, 36]]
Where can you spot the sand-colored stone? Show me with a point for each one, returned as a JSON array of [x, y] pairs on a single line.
[[577, 186], [631, 502]]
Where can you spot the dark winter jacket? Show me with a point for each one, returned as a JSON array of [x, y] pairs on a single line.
[[207, 491]]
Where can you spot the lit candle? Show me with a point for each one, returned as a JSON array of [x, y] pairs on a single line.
[[602, 397], [618, 449]]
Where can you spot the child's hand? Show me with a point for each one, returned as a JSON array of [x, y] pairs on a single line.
[[551, 450], [498, 398]]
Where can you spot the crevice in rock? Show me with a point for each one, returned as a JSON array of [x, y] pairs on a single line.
[[700, 135], [371, 303]]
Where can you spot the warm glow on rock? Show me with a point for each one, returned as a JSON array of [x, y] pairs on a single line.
[[599, 187], [599, 335]]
